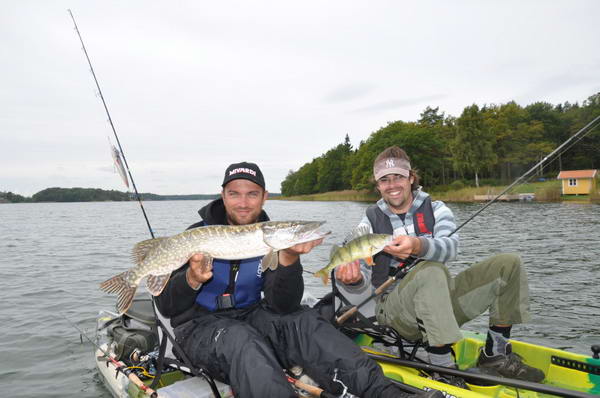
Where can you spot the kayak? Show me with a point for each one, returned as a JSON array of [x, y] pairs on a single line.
[[173, 383], [567, 373], [122, 337]]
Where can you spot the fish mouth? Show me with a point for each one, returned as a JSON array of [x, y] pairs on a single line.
[[312, 231], [284, 234]]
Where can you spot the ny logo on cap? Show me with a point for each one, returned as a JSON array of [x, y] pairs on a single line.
[[389, 163]]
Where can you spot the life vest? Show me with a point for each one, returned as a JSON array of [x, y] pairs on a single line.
[[423, 222], [246, 286], [242, 279]]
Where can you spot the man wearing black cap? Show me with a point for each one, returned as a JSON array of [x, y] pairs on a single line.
[[244, 325]]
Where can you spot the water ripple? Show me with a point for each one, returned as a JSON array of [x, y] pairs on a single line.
[[559, 244]]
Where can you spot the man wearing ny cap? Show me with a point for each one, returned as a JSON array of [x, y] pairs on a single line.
[[244, 325], [428, 303]]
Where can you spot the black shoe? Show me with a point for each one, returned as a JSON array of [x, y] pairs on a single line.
[[476, 371], [510, 365], [451, 380]]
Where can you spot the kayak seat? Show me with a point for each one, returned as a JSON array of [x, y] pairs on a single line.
[[198, 382], [364, 322], [172, 355]]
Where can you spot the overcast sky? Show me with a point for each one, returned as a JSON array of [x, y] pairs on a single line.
[[193, 86]]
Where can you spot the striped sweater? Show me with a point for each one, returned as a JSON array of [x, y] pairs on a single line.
[[440, 247]]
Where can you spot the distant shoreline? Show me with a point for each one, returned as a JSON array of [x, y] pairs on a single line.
[[66, 195], [547, 191]]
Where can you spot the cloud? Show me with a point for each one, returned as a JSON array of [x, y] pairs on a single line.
[[348, 93], [393, 104], [562, 86], [195, 87]]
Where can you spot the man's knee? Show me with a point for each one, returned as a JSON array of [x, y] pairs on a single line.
[[508, 258], [508, 263], [309, 321], [432, 272]]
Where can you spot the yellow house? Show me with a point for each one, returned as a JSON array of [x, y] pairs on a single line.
[[575, 182]]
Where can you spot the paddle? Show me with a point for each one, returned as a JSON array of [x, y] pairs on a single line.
[[527, 385]]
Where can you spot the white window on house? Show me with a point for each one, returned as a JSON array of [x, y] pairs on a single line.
[[572, 182]]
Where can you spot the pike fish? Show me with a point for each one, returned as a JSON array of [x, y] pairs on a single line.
[[155, 259], [361, 245]]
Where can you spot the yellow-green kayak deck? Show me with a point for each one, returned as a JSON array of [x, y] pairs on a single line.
[[563, 369]]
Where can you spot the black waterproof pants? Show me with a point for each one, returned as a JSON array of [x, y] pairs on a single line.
[[249, 348]]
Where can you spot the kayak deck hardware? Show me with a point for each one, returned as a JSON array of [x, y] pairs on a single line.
[[575, 365]]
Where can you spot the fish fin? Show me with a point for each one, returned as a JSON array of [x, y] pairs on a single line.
[[141, 249], [334, 248], [369, 261], [207, 261], [156, 283], [118, 284], [360, 230], [270, 261], [324, 275]]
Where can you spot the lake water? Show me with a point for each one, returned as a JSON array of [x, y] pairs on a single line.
[[53, 255]]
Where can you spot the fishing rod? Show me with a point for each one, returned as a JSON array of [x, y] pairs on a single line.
[[120, 366], [413, 261], [117, 154], [572, 140], [312, 390], [137, 195]]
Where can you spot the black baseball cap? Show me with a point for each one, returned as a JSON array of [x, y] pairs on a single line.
[[245, 170]]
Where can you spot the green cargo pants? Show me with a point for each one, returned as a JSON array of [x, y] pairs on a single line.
[[429, 304]]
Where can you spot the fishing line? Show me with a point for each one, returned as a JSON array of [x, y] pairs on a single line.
[[559, 150], [411, 262], [139, 199], [119, 365]]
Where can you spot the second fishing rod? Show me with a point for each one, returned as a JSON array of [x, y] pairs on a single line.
[[404, 267], [112, 126]]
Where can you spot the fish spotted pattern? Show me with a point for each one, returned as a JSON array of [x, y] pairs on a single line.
[[155, 259]]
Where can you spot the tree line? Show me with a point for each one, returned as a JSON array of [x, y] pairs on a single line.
[[492, 144], [79, 195], [92, 195]]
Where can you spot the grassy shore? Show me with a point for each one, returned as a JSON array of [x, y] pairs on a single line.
[[348, 195], [547, 191]]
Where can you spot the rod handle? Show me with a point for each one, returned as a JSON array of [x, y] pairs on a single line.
[[346, 315]]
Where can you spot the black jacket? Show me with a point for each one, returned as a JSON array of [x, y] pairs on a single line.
[[282, 291]]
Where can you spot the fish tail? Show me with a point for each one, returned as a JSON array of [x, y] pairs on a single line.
[[323, 275], [119, 285]]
